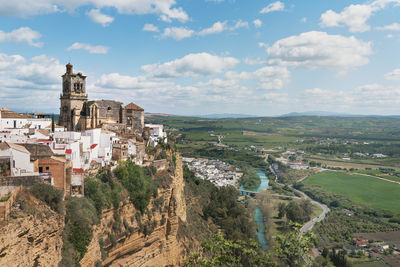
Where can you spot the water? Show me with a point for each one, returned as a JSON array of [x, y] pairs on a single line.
[[258, 216], [264, 182], [259, 219]]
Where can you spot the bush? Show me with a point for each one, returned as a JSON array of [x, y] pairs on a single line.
[[80, 217], [50, 195], [139, 185], [250, 179]]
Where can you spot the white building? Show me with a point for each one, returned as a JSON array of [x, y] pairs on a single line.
[[13, 120], [157, 134], [19, 158]]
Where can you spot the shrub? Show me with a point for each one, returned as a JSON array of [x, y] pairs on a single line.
[[139, 186], [80, 217], [48, 194]]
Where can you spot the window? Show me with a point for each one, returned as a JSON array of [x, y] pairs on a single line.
[[40, 169], [47, 168], [109, 108]]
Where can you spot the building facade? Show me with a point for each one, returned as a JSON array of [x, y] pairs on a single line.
[[79, 114]]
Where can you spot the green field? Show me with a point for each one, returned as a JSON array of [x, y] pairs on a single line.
[[362, 189]]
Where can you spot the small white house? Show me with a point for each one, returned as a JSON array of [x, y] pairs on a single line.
[[20, 158]]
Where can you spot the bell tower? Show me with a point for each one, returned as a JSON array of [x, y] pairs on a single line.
[[73, 100]]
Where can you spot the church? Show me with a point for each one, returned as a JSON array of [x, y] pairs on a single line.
[[79, 114]]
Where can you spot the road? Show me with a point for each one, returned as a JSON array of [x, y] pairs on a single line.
[[310, 224]]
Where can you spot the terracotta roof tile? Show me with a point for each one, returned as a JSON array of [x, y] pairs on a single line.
[[133, 106], [8, 114]]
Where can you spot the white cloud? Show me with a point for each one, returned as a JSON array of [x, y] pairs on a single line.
[[150, 28], [96, 16], [365, 99], [262, 44], [162, 8], [240, 24], [254, 61], [355, 16], [191, 65], [37, 72], [177, 33], [217, 27], [257, 23], [313, 50], [275, 6], [22, 35], [393, 75], [92, 49], [276, 97], [115, 80], [272, 77], [265, 78], [392, 27]]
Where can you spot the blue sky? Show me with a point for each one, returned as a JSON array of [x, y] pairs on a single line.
[[205, 56]]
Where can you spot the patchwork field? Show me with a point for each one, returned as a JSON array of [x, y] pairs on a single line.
[[362, 189]]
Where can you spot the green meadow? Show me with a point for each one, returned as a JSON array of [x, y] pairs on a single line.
[[361, 189]]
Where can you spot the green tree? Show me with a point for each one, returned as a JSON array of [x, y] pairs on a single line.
[[48, 194], [281, 210], [52, 123], [223, 252], [140, 186], [292, 248]]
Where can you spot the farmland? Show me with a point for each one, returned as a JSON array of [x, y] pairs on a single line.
[[360, 189]]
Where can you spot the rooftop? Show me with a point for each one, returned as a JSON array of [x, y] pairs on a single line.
[[133, 106]]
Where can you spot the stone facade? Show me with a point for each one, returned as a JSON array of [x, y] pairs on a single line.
[[79, 114], [72, 100]]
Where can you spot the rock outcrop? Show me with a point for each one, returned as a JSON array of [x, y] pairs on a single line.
[[162, 245], [33, 239]]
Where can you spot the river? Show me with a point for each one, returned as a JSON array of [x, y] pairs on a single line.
[[258, 216]]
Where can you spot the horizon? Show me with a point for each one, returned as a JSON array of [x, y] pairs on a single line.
[[268, 58]]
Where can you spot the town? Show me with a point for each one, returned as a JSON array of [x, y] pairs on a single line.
[[34, 149], [215, 171]]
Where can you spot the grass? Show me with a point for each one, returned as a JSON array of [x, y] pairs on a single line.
[[351, 164], [371, 264], [361, 189]]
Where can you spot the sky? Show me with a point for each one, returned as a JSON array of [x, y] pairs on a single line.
[[198, 57]]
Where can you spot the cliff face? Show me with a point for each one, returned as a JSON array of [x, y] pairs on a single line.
[[153, 238], [33, 239]]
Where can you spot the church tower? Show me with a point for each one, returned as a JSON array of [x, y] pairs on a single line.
[[73, 100]]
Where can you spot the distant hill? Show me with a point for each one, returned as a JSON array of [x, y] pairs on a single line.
[[334, 114], [225, 116]]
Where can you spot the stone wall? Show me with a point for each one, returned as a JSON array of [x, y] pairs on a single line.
[[138, 120], [5, 207], [20, 180], [114, 127]]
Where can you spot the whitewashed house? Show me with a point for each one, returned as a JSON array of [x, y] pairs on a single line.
[[19, 158], [157, 134]]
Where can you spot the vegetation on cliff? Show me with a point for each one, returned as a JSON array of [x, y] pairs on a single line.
[[81, 216], [107, 189], [221, 206], [139, 186], [290, 250], [50, 195]]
